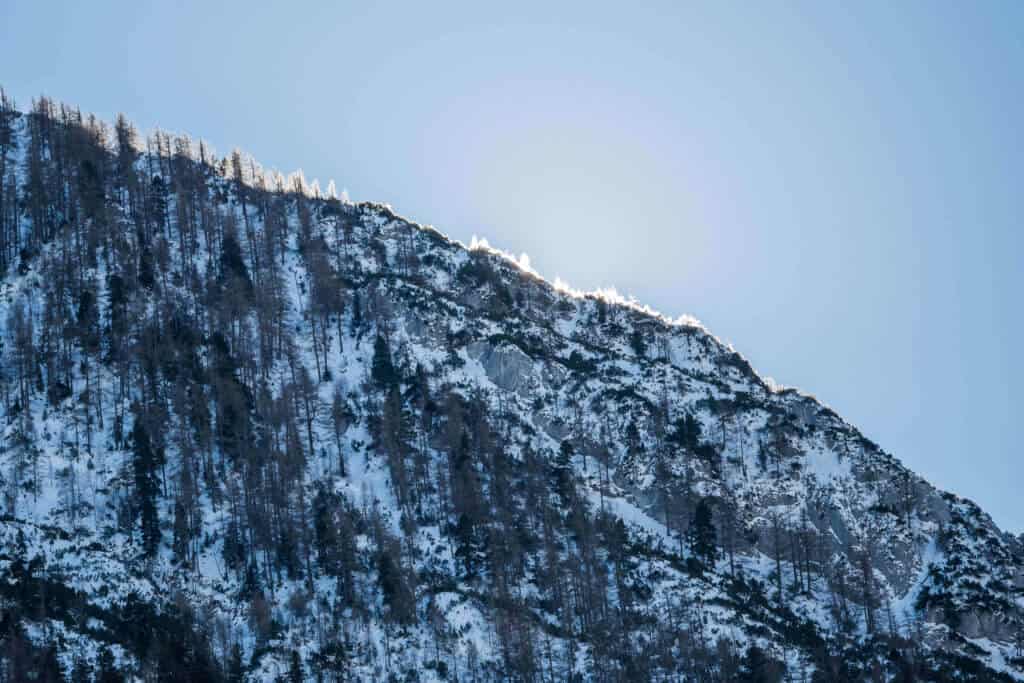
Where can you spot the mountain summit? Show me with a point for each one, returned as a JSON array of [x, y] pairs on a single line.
[[253, 432]]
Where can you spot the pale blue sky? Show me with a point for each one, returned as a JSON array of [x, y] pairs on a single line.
[[835, 190]]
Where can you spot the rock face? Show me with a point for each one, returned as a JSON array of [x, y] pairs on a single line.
[[506, 366], [249, 430]]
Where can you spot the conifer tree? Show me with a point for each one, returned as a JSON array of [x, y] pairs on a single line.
[[564, 481], [144, 468], [232, 551], [382, 370], [703, 538], [295, 673], [180, 542]]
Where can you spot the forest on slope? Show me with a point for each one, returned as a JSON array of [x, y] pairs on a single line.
[[251, 431]]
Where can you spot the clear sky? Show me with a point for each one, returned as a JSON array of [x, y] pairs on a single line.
[[835, 190]]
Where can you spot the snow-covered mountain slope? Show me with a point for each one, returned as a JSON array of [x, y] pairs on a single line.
[[250, 431]]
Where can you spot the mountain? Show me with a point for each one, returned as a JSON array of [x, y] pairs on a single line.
[[251, 431]]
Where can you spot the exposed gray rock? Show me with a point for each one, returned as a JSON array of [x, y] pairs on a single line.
[[507, 366]]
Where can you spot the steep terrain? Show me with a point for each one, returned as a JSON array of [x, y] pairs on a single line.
[[253, 432]]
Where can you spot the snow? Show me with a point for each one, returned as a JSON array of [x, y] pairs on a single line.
[[685, 371]]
